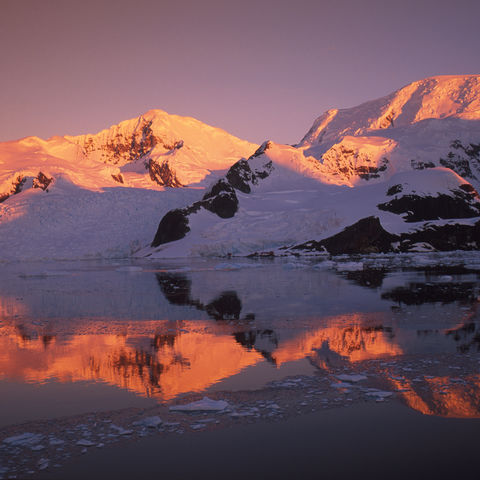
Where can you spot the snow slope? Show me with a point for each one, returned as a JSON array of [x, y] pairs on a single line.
[[102, 195], [412, 159]]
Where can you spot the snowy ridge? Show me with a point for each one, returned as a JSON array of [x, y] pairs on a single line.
[[435, 97], [101, 195], [401, 172], [411, 159]]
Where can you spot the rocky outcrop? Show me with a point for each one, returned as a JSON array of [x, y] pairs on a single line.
[[42, 181], [124, 147], [368, 236], [19, 183], [463, 202], [365, 236], [173, 226], [162, 174], [443, 238], [220, 199], [464, 160]]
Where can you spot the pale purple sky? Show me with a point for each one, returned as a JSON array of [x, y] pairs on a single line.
[[259, 69]]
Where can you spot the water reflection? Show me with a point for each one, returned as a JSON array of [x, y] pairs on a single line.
[[445, 396], [177, 290], [209, 326]]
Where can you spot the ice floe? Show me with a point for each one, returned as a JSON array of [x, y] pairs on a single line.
[[204, 405]]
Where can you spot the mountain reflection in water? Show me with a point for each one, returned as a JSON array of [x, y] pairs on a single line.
[[164, 358]]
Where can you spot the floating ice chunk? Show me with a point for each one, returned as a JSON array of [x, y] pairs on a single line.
[[341, 385], [121, 430], [85, 443], [55, 441], [327, 264], [24, 439], [351, 378], [43, 463], [349, 266], [197, 426], [204, 405], [379, 394], [150, 422], [37, 447]]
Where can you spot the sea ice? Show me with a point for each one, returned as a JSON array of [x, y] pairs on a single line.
[[351, 378], [24, 439], [349, 266], [150, 422], [204, 405]]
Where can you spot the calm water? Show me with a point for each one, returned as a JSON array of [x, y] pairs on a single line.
[[78, 337]]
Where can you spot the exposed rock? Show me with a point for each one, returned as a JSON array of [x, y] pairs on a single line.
[[463, 203], [221, 200], [240, 175], [444, 237], [419, 165], [462, 158], [162, 174], [118, 178], [17, 187], [173, 226], [365, 236], [42, 181]]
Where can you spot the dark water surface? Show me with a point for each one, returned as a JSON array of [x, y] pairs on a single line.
[[90, 336], [366, 441]]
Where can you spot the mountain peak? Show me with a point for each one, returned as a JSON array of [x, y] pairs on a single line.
[[438, 97]]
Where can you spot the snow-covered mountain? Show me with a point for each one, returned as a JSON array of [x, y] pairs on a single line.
[[399, 173], [402, 172], [102, 195]]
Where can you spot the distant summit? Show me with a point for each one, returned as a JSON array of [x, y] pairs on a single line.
[[439, 97]]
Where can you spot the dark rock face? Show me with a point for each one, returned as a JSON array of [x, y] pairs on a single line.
[[419, 165], [444, 238], [173, 226], [162, 174], [221, 199], [240, 175], [462, 158], [17, 186], [118, 178], [42, 181], [463, 203], [365, 236]]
